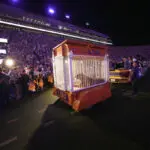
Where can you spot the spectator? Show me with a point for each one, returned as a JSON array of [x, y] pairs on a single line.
[[134, 59], [134, 76], [145, 67], [24, 83], [113, 64], [130, 60], [4, 88], [40, 82], [32, 87], [31, 73], [126, 63], [144, 81]]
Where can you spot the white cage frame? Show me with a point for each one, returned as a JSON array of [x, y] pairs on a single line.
[[64, 73]]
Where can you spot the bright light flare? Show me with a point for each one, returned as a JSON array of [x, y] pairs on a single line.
[[51, 10], [15, 1], [67, 16], [9, 62]]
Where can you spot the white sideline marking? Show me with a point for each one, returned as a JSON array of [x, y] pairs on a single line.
[[13, 120], [8, 141], [49, 123], [43, 109]]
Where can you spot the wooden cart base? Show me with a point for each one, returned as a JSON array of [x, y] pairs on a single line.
[[85, 98]]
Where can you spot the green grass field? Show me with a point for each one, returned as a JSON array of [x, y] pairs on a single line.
[[124, 117], [125, 91], [121, 122]]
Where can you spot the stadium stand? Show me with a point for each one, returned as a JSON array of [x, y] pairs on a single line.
[[24, 45], [118, 51], [18, 15]]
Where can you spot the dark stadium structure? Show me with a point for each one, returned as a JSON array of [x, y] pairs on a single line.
[[32, 36]]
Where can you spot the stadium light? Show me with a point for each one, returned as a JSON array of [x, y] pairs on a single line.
[[51, 11], [14, 1], [87, 23], [54, 32], [67, 16], [2, 40], [9, 62]]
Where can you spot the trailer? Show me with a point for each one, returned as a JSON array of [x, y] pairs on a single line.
[[81, 73]]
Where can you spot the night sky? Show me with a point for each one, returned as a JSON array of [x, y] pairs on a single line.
[[124, 21]]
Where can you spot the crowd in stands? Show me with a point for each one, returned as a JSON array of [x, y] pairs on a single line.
[[32, 53], [28, 47], [127, 63], [139, 71]]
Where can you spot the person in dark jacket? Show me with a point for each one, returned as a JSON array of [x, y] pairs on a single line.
[[24, 83], [4, 88], [144, 81], [126, 64], [135, 75]]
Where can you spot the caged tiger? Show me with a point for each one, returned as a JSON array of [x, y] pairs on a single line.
[[86, 81]]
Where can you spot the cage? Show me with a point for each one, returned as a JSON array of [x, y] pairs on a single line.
[[79, 66], [77, 72]]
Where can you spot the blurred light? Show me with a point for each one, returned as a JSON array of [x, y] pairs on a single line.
[[9, 62], [67, 16], [15, 1], [3, 51], [54, 32], [60, 27], [1, 61], [2, 40], [87, 23], [51, 10]]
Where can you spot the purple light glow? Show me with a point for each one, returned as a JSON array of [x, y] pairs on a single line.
[[67, 16], [51, 10], [15, 1]]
